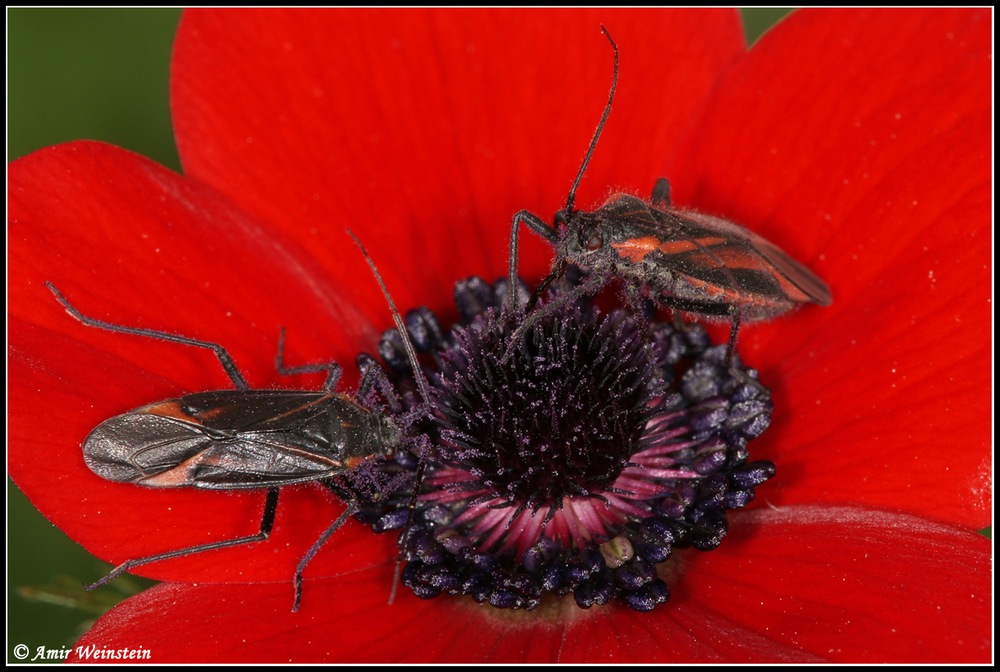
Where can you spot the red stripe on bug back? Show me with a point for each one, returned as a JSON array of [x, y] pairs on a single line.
[[181, 476], [736, 258], [684, 246], [636, 249], [355, 460], [792, 291], [718, 293]]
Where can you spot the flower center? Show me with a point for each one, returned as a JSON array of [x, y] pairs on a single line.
[[573, 466], [559, 420]]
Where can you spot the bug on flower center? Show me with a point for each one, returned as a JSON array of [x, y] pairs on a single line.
[[679, 258]]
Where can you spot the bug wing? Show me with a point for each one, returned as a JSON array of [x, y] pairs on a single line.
[[746, 249], [251, 460], [805, 280], [142, 443], [707, 261], [214, 440], [248, 410]]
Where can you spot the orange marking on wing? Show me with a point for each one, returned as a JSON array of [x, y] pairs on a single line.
[[636, 249], [712, 291], [181, 476], [170, 408], [682, 246]]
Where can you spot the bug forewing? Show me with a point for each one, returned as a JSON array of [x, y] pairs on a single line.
[[238, 439], [800, 284], [130, 447], [245, 410]]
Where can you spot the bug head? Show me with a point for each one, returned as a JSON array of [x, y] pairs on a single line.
[[584, 237]]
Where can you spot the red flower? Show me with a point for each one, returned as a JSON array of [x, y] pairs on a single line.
[[857, 141]]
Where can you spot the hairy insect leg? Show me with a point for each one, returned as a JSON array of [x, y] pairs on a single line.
[[590, 286], [557, 270], [644, 310], [333, 369], [266, 524], [734, 330], [373, 376], [538, 226], [418, 479], [352, 508], [220, 352], [708, 308]]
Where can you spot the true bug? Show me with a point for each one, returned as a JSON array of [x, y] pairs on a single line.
[[242, 438], [684, 259]]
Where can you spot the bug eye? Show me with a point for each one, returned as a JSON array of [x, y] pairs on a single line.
[[594, 242]]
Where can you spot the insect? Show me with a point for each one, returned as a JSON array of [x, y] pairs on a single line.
[[681, 258], [242, 439]]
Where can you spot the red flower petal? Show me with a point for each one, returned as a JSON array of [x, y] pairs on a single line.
[[92, 219], [860, 142], [851, 585], [855, 587], [431, 127]]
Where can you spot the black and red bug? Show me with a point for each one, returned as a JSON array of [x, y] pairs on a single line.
[[681, 258], [243, 439]]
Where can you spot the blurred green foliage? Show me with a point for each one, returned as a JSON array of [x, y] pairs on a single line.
[[99, 74]]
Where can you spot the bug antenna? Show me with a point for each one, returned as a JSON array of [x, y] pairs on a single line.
[[571, 197], [411, 353], [422, 384]]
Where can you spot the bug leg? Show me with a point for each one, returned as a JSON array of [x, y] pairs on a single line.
[[224, 358], [401, 543], [373, 377], [661, 193], [333, 370], [590, 286], [538, 226], [266, 524], [644, 312], [352, 507], [734, 329], [557, 270]]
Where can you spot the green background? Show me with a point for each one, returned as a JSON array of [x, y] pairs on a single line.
[[98, 74]]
